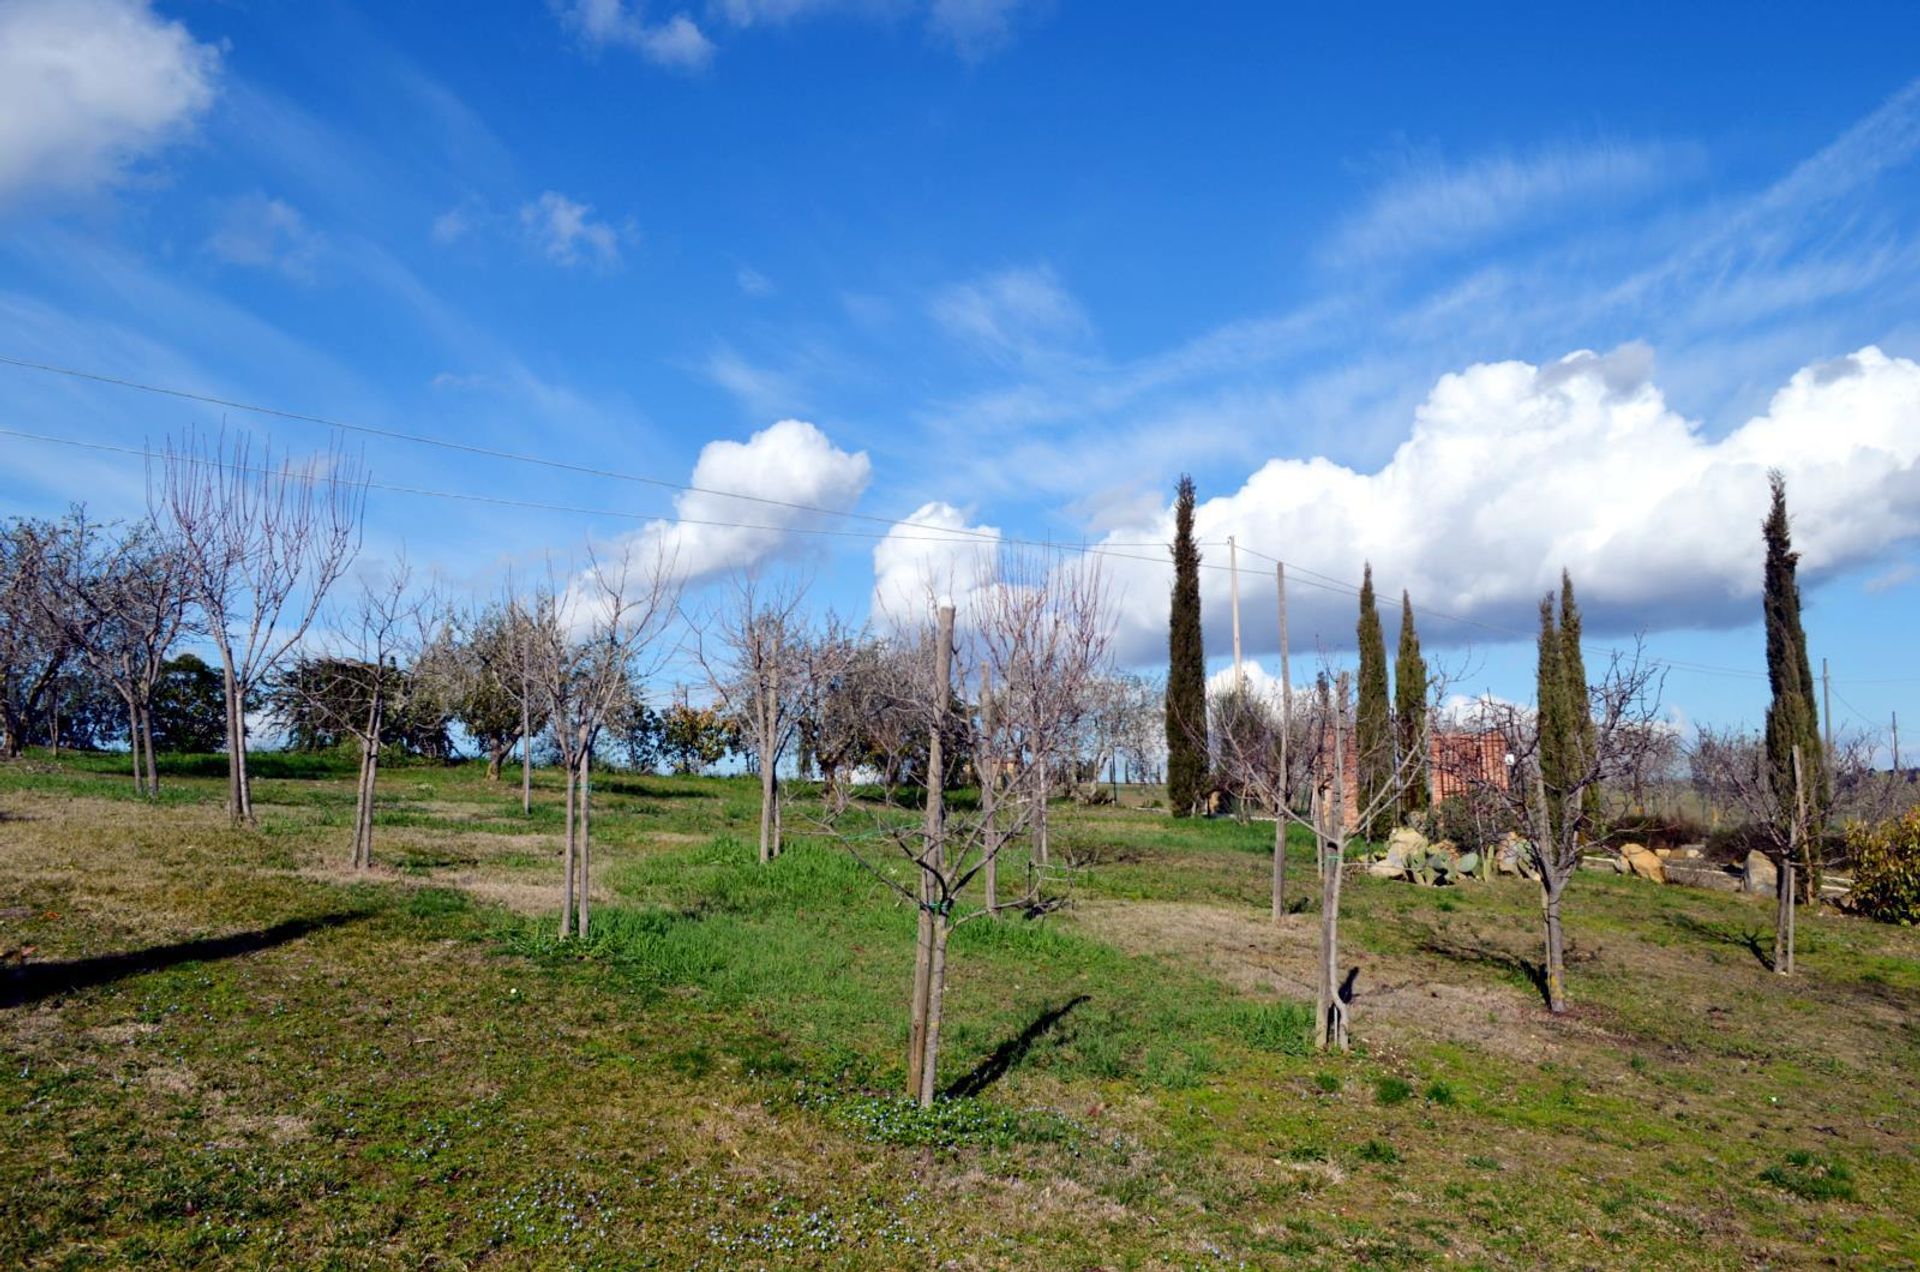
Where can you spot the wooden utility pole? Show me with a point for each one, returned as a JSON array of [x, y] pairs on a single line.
[[1826, 711], [1896, 743], [1233, 569]]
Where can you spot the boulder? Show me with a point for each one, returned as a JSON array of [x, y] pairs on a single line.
[[1690, 852], [1514, 856], [1386, 869], [1663, 853], [1403, 844], [1643, 862], [1759, 875], [1702, 874]]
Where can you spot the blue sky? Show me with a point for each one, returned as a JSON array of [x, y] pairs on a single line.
[[1017, 266]]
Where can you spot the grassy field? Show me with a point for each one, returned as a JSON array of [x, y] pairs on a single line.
[[222, 1050]]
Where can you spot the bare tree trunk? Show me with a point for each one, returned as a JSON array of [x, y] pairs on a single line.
[[1783, 915], [1332, 1030], [586, 835], [989, 795], [920, 1058], [922, 977], [235, 809], [1041, 784], [496, 755], [526, 756], [566, 906], [1279, 859], [763, 709], [936, 998], [1551, 889], [133, 746], [146, 740]]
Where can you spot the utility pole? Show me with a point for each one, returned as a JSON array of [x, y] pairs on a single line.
[[1826, 711], [1896, 744], [1233, 568]]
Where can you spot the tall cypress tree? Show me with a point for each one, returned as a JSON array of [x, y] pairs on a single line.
[[1792, 720], [1410, 709], [1186, 666], [1578, 701], [1557, 740], [1373, 716]]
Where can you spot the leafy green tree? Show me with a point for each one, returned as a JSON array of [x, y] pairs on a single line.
[[1410, 709], [1373, 717], [1186, 667], [189, 707], [1792, 721], [694, 739]]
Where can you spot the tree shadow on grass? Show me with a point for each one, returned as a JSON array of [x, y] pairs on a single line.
[[1011, 1052], [1501, 960], [35, 981], [1748, 940]]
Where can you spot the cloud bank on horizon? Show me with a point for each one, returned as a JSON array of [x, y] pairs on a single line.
[[1512, 472]]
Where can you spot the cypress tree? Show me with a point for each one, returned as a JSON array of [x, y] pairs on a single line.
[[1554, 717], [1792, 720], [1186, 667], [1410, 708], [1373, 716], [1579, 703]]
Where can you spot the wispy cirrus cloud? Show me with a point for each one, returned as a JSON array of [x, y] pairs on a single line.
[[1021, 315], [263, 233], [568, 233], [1429, 205]]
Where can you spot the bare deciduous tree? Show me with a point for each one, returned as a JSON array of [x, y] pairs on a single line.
[[34, 650], [1034, 637], [119, 601], [760, 674], [262, 539], [594, 642], [1624, 709], [385, 656]]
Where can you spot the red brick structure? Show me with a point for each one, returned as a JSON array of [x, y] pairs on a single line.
[[1458, 763]]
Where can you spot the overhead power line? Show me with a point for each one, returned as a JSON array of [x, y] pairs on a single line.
[[941, 534]]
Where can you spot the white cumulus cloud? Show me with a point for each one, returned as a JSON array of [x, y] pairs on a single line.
[[791, 462], [935, 553], [1513, 471], [88, 87]]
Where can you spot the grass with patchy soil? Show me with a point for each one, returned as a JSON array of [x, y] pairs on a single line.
[[224, 1050]]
